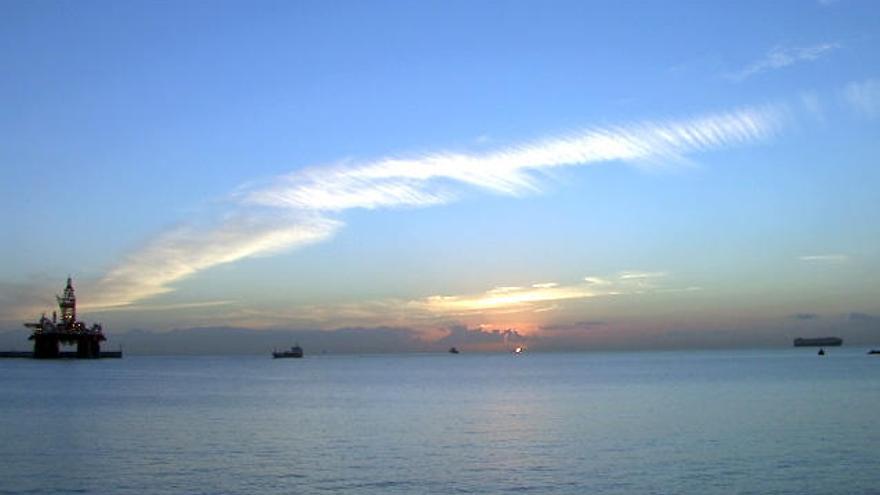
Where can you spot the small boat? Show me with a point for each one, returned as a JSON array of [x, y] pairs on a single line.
[[294, 352], [519, 350], [874, 351], [453, 350], [821, 352]]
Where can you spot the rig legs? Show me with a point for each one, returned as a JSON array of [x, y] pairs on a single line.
[[88, 349], [46, 347]]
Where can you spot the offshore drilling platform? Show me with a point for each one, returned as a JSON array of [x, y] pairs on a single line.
[[49, 334]]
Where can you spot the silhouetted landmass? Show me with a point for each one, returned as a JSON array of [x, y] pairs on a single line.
[[857, 329], [230, 340], [225, 340]]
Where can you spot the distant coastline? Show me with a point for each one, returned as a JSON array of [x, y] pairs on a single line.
[[244, 341]]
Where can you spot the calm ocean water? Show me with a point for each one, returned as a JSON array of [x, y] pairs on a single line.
[[759, 422]]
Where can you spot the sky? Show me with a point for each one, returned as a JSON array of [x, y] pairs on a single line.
[[568, 174]]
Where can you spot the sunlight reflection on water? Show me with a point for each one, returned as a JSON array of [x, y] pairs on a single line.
[[702, 422]]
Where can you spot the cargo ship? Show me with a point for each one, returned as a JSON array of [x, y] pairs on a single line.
[[818, 342], [294, 352]]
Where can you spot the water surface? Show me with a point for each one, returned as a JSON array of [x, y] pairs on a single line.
[[785, 422]]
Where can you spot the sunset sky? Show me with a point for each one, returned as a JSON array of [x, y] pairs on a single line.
[[587, 174]]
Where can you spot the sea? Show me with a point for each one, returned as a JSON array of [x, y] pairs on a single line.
[[704, 422]]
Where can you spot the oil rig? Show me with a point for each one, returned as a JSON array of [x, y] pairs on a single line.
[[49, 334]]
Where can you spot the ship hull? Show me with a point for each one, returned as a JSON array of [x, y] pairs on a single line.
[[278, 355]]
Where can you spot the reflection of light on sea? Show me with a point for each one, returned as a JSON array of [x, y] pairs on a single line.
[[510, 427]]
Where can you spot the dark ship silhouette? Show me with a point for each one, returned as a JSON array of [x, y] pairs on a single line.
[[294, 352]]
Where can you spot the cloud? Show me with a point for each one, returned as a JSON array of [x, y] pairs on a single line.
[[545, 285], [479, 338], [824, 258], [633, 275], [779, 57], [805, 316], [184, 251], [864, 97], [546, 309], [166, 307], [535, 297], [300, 208], [495, 300], [426, 180], [596, 281]]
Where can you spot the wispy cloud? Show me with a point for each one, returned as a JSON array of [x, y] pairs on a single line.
[[535, 297], [864, 97], [824, 258], [300, 208], [545, 285], [165, 307], [430, 179], [779, 57], [596, 281], [186, 250], [635, 275]]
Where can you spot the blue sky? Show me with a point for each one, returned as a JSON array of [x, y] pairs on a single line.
[[643, 167]]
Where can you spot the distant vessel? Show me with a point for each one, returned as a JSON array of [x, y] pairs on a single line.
[[818, 342], [453, 350], [518, 350], [874, 351], [294, 352]]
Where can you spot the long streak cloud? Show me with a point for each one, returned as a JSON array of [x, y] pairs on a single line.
[[299, 208], [184, 251], [512, 170]]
